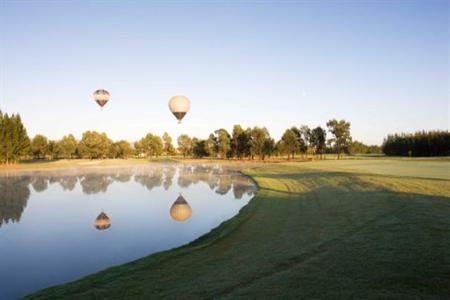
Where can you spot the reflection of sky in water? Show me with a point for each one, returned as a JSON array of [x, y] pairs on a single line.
[[47, 232]]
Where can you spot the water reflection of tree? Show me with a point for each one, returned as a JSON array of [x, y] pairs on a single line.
[[95, 183], [185, 176], [53, 179], [206, 174], [194, 174], [39, 183], [169, 173], [150, 178], [68, 183], [224, 185], [219, 179], [14, 194], [122, 177], [241, 186]]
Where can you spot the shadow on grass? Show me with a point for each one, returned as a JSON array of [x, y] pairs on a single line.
[[38, 161], [312, 174]]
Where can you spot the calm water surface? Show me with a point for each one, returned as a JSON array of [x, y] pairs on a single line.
[[49, 232]]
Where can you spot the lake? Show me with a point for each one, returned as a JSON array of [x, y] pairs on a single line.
[[57, 226]]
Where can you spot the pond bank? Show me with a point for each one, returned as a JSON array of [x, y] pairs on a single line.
[[308, 233]]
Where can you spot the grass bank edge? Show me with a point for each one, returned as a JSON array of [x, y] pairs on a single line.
[[223, 230]]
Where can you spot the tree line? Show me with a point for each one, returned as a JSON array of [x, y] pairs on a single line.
[[240, 143], [420, 143], [14, 141]]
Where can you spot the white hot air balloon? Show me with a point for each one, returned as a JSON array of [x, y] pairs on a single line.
[[179, 106], [101, 97]]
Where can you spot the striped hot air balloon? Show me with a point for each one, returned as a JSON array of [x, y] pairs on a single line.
[[101, 97]]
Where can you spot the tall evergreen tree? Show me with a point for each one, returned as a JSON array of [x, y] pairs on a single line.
[[14, 141], [421, 143], [21, 145]]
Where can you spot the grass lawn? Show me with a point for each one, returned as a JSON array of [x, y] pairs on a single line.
[[365, 229]]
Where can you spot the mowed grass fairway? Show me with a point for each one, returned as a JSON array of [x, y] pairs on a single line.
[[366, 229]]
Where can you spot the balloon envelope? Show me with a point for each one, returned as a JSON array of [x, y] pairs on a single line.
[[101, 97], [179, 106]]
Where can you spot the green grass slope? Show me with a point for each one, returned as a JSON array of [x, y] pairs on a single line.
[[315, 230]]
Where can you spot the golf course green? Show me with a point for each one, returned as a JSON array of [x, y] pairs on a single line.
[[364, 229]]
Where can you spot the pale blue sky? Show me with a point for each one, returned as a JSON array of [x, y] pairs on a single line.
[[382, 65]]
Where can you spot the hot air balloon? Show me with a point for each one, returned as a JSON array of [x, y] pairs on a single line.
[[102, 222], [180, 210], [179, 106], [101, 97]]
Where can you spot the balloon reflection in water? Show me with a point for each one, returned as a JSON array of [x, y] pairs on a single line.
[[180, 210], [102, 222]]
